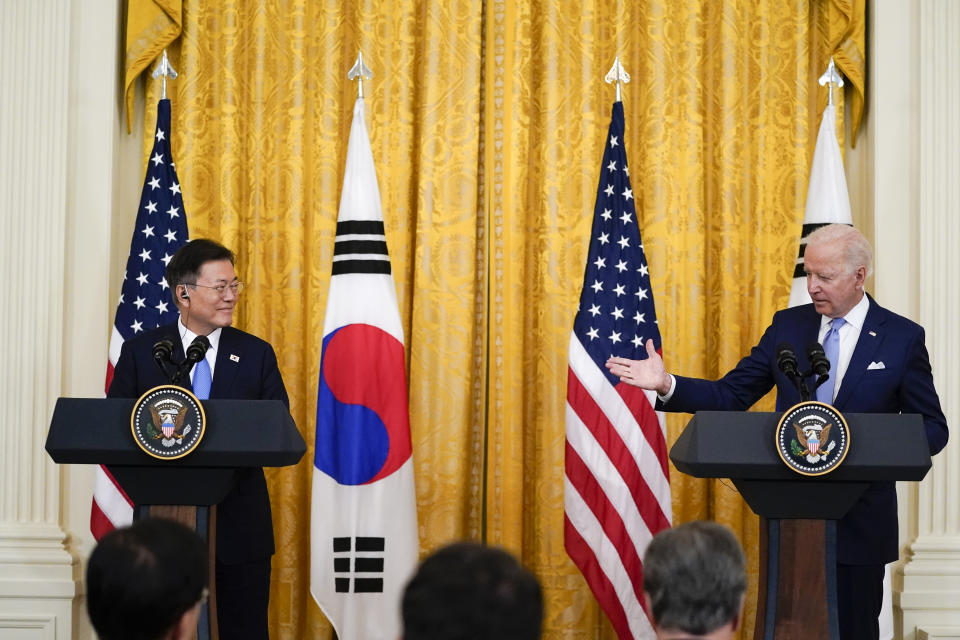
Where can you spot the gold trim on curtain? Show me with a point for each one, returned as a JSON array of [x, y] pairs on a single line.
[[487, 120]]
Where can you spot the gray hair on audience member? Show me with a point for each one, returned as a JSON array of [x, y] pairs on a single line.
[[695, 577], [857, 251]]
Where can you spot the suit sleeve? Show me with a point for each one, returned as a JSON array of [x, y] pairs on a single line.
[[738, 390], [918, 394], [124, 383]]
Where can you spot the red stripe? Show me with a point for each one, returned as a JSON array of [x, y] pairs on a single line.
[[106, 387], [100, 524], [603, 431], [608, 517], [602, 588], [646, 417]]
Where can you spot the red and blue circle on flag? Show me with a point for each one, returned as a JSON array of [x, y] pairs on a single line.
[[363, 421]]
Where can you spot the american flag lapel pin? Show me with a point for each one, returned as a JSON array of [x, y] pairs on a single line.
[[234, 357]]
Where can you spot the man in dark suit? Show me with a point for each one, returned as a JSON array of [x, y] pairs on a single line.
[[881, 366], [237, 365]]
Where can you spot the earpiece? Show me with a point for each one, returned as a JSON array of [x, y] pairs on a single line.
[[184, 295]]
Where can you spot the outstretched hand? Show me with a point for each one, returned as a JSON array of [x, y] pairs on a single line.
[[646, 374]]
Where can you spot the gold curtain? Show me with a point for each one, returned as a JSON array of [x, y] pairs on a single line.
[[487, 120]]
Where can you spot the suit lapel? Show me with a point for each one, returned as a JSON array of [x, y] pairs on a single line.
[[227, 366], [871, 337]]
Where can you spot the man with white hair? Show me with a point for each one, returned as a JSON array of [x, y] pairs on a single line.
[[879, 365]]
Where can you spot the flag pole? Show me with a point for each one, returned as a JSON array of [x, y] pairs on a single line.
[[358, 72], [617, 74], [831, 77], [164, 70]]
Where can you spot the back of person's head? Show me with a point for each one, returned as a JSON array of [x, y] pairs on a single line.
[[184, 267], [143, 578], [470, 591], [694, 576]]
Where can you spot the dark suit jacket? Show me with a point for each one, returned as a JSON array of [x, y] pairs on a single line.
[[244, 520], [868, 533]]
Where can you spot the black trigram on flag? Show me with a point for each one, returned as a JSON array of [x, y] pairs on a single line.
[[364, 572], [360, 247]]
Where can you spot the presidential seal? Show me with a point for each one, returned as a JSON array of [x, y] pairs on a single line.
[[167, 422], [812, 438]]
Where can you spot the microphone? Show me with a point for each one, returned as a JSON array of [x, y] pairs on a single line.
[[818, 359], [819, 362], [162, 354], [197, 349], [787, 361], [195, 352]]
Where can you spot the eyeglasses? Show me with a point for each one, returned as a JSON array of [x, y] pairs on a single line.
[[235, 287]]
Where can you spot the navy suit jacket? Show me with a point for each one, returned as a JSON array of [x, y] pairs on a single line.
[[868, 533], [244, 520]]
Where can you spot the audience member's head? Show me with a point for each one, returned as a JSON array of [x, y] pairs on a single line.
[[147, 581], [694, 580], [471, 591]]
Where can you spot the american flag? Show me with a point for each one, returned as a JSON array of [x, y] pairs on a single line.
[[145, 300], [617, 487]]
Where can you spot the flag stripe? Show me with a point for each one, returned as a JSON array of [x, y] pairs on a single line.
[[615, 584], [597, 500], [374, 227], [361, 266], [585, 560], [611, 404], [605, 447], [342, 247]]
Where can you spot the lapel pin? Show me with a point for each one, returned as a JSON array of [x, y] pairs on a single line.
[[234, 357], [873, 334]]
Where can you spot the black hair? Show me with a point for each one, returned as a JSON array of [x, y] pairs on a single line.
[[470, 591], [141, 579], [184, 267]]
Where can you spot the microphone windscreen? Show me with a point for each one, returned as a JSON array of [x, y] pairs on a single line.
[[198, 348], [818, 359], [787, 360], [163, 349]]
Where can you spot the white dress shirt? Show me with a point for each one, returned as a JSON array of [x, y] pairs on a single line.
[[849, 334]]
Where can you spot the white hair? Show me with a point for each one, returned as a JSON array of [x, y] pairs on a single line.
[[857, 251]]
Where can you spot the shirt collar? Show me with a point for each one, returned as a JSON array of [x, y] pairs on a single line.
[[856, 316], [187, 336]]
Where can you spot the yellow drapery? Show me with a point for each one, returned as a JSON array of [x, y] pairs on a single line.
[[487, 120]]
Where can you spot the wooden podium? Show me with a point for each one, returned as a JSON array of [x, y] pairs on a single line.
[[238, 434], [797, 594]]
